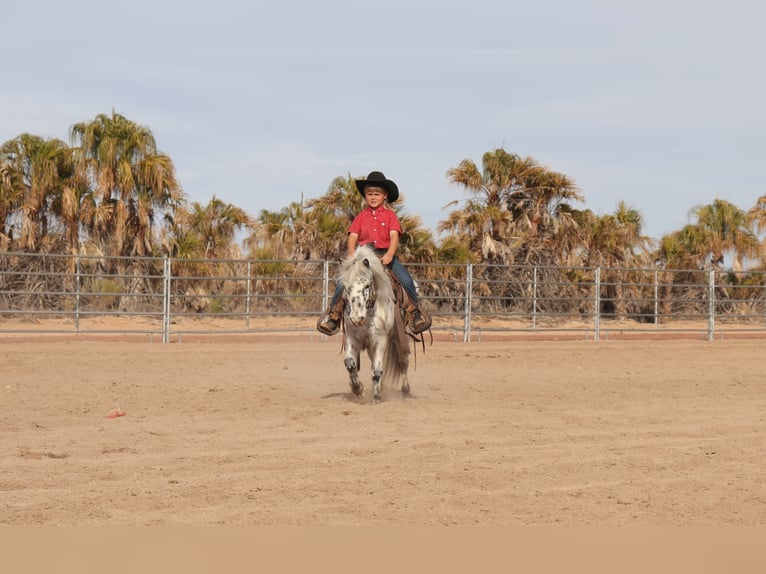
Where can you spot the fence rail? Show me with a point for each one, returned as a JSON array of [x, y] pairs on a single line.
[[166, 297]]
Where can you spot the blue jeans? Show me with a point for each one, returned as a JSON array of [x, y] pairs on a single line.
[[401, 273]]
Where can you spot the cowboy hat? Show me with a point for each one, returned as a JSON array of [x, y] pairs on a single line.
[[377, 179]]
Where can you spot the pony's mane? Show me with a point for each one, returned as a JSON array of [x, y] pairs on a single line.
[[354, 266]]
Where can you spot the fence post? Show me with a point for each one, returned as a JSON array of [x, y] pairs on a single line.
[[249, 268], [711, 305], [166, 300], [325, 284], [468, 303], [597, 306], [534, 297], [77, 280], [656, 298]]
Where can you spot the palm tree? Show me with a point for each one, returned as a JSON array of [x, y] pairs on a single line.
[[485, 213], [213, 226], [131, 179], [514, 202], [342, 199], [314, 229], [613, 240], [757, 215], [614, 243], [417, 244], [322, 232], [727, 229], [11, 193], [543, 214], [686, 248], [201, 232], [37, 172], [273, 233]]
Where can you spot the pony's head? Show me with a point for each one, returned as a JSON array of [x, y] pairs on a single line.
[[364, 281]]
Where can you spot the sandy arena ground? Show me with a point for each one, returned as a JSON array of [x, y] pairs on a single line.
[[265, 432]]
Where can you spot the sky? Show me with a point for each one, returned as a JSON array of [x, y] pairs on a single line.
[[658, 103]]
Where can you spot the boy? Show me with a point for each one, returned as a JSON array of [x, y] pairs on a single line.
[[379, 227]]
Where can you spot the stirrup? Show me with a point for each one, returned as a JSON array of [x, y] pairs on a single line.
[[418, 321], [327, 325]]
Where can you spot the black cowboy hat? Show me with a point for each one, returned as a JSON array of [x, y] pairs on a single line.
[[377, 179]]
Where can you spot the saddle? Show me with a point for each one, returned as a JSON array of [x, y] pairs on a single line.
[[403, 302]]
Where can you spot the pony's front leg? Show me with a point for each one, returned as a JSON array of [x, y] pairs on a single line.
[[352, 366], [376, 359]]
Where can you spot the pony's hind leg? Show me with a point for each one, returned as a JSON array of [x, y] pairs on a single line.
[[405, 385], [352, 366], [404, 367]]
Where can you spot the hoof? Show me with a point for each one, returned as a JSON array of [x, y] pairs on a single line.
[[406, 390], [357, 389]]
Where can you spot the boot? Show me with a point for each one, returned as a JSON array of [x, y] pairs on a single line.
[[417, 320], [330, 321]]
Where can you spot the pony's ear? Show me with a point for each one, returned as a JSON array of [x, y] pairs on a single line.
[[366, 262]]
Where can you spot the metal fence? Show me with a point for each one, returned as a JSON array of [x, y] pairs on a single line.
[[170, 298]]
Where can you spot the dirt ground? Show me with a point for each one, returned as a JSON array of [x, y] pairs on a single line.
[[266, 432]]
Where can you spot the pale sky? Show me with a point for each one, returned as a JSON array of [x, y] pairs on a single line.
[[658, 103]]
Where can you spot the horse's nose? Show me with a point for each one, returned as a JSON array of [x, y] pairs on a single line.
[[356, 321]]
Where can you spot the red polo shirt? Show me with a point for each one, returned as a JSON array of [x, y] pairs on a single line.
[[375, 226]]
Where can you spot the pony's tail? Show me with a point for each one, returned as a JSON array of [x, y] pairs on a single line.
[[397, 359]]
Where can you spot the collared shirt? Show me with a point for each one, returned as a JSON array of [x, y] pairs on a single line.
[[375, 226]]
